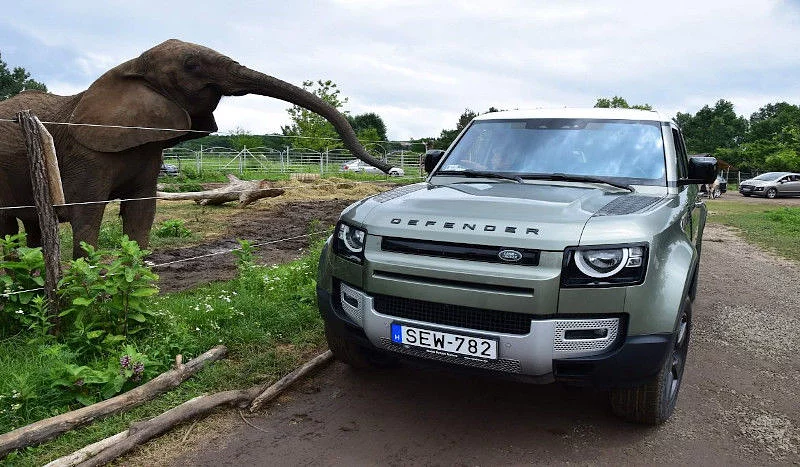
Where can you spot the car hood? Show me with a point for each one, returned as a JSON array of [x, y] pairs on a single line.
[[532, 215]]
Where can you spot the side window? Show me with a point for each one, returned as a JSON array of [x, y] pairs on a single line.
[[680, 153]]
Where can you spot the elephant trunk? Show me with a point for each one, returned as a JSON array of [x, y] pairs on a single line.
[[247, 81]]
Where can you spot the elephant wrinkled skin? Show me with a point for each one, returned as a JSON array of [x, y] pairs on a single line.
[[175, 85]]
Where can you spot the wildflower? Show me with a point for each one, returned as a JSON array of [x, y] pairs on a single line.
[[19, 312], [16, 406], [197, 329], [79, 382], [125, 361]]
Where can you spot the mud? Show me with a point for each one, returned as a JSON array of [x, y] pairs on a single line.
[[739, 403], [284, 220]]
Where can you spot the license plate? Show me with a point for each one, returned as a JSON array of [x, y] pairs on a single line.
[[444, 342], [746, 188]]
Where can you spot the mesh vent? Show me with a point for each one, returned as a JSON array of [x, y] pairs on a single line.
[[578, 345], [508, 366], [398, 192], [453, 315], [626, 204]]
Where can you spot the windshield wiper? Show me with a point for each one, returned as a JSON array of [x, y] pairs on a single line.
[[576, 178], [481, 174]]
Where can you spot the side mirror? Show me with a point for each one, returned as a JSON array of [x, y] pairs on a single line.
[[432, 157], [701, 170]]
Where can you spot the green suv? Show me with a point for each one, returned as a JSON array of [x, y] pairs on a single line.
[[545, 245]]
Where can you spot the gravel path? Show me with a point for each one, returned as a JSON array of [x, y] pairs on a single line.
[[740, 402]]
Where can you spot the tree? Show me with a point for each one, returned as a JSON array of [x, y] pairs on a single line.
[[618, 102], [241, 138], [362, 123], [13, 82], [446, 137], [712, 128], [312, 130]]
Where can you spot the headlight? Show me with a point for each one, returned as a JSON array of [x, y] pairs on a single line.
[[606, 266], [349, 242]]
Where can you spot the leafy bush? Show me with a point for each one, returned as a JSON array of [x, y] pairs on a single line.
[[105, 295], [172, 228]]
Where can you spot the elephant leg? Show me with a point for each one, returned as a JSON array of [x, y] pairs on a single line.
[[33, 232], [8, 225], [85, 221], [137, 219]]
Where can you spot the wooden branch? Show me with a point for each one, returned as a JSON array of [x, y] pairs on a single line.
[[142, 432], [244, 191], [34, 132], [273, 391], [43, 430], [88, 452]]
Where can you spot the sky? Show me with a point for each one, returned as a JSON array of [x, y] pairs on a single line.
[[420, 64]]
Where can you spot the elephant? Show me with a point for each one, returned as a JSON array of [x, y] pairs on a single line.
[[174, 85]]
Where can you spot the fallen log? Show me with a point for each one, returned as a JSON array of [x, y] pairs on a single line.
[[141, 432], [43, 430], [274, 390], [88, 452], [244, 191]]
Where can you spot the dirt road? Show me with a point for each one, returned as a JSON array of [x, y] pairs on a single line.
[[739, 404]]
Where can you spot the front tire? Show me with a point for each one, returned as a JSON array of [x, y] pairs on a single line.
[[772, 193], [353, 354], [653, 402]]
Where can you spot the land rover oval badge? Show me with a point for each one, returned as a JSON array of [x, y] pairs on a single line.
[[512, 256]]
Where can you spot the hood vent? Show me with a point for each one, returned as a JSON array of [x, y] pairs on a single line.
[[627, 204]]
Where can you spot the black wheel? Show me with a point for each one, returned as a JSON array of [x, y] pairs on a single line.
[[772, 193], [653, 402], [353, 354]]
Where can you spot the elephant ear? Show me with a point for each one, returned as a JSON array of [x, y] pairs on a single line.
[[121, 98]]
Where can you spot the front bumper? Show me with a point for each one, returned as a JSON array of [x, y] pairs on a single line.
[[538, 356]]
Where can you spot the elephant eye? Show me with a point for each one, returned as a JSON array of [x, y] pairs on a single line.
[[191, 65]]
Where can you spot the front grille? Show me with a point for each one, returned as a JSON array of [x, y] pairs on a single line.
[[470, 252], [453, 315]]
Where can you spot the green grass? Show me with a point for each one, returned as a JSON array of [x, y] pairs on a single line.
[[267, 318], [776, 228]]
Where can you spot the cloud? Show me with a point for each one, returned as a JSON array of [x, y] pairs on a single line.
[[420, 64]]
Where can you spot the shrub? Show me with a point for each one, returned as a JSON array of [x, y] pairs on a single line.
[[172, 228]]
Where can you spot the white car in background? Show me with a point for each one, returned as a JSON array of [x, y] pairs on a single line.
[[357, 165]]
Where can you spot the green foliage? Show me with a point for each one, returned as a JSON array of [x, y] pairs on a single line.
[[241, 138], [21, 268], [13, 82], [269, 329], [172, 228], [371, 124], [105, 296], [712, 128], [312, 130], [446, 137], [618, 102]]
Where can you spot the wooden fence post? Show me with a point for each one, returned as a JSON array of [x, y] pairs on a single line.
[[48, 222]]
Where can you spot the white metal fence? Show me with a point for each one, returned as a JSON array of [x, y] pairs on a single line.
[[272, 161]]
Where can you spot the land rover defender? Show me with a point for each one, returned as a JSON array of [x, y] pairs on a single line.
[[546, 245]]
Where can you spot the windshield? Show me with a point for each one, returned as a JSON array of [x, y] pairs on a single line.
[[769, 176], [624, 150]]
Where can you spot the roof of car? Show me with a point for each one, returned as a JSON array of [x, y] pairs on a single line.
[[592, 113]]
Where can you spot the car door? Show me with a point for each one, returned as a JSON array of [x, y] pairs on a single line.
[[783, 185], [792, 187]]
